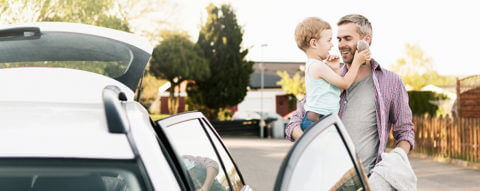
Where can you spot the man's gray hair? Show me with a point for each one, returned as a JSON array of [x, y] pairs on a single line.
[[364, 26]]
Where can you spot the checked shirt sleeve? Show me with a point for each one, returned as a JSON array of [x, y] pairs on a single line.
[[295, 120], [403, 127]]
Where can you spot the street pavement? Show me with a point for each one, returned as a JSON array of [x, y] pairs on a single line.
[[259, 161]]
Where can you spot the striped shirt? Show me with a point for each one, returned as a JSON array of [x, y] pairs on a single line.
[[391, 102]]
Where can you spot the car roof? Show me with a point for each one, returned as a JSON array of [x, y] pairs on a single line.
[[65, 130]]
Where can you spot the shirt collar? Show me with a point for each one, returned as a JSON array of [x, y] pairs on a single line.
[[375, 66]]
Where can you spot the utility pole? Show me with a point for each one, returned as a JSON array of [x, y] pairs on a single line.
[[262, 120]]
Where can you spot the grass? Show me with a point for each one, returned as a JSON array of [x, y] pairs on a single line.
[[156, 117]]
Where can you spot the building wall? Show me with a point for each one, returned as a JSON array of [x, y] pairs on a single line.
[[469, 106], [274, 101], [252, 101], [282, 105], [164, 105]]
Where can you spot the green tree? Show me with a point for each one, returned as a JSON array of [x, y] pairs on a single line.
[[177, 59], [417, 71], [220, 39], [294, 85], [92, 12], [148, 17]]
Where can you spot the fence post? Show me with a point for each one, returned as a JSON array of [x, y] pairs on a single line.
[[449, 136], [458, 110], [467, 141], [433, 135], [436, 136], [457, 139], [477, 140], [470, 139], [470, 142], [462, 138], [443, 136]]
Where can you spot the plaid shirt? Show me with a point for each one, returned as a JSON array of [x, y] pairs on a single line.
[[392, 107]]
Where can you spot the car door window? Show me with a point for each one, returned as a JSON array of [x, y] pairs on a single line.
[[232, 172], [322, 159], [197, 155], [330, 165]]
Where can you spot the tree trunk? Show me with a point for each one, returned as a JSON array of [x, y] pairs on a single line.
[[172, 105], [177, 103]]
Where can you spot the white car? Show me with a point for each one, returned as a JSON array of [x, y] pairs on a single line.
[[68, 121]]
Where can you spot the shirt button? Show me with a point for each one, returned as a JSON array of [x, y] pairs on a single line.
[[345, 102]]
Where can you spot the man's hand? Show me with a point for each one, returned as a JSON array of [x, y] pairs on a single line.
[[405, 145]]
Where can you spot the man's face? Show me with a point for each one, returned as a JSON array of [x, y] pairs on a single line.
[[347, 41]]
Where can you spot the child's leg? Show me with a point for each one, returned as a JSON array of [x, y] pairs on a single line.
[[305, 124]]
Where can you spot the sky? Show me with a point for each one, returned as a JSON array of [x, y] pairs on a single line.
[[447, 31]]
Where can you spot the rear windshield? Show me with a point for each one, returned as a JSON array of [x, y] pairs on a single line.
[[67, 50], [67, 174]]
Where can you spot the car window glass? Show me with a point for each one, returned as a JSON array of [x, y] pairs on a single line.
[[325, 164], [232, 173], [197, 155], [65, 174], [68, 50]]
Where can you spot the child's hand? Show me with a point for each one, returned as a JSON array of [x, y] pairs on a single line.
[[361, 57], [333, 61]]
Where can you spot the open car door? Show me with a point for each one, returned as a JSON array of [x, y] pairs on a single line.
[[322, 159]]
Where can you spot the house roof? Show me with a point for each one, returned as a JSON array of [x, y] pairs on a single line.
[[270, 73]]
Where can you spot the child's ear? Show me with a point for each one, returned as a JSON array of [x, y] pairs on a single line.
[[312, 42]]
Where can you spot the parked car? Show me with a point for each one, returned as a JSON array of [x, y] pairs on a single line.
[[68, 121], [274, 121]]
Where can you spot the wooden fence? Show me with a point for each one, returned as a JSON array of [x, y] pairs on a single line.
[[455, 138]]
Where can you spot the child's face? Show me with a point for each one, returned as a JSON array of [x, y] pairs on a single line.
[[324, 44]]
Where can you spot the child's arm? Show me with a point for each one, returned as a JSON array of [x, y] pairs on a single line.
[[320, 70], [333, 61]]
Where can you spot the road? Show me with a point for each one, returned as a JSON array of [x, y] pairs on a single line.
[[259, 161]]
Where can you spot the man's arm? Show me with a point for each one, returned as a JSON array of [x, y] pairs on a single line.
[[405, 145], [293, 130], [401, 117]]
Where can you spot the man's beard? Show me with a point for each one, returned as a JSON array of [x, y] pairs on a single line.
[[350, 55]]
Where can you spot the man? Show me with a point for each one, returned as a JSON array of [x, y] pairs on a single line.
[[376, 100]]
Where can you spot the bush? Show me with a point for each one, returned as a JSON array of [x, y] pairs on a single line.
[[419, 102]]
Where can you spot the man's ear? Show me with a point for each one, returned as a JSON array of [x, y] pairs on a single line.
[[368, 38]]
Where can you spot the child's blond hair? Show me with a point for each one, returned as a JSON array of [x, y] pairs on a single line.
[[310, 28]]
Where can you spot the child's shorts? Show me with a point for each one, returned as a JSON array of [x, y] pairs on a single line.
[[305, 124]]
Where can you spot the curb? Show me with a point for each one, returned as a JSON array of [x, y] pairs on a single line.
[[471, 165]]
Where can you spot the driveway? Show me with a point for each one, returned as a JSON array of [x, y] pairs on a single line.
[[259, 161]]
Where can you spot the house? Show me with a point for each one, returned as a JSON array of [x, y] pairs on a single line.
[[160, 105], [445, 106], [275, 100], [468, 97]]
